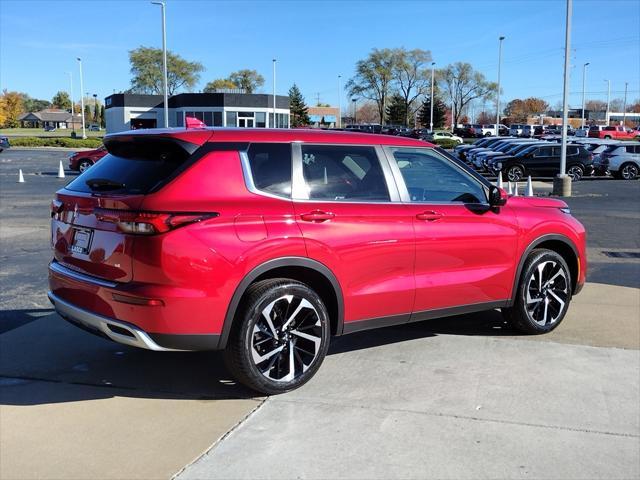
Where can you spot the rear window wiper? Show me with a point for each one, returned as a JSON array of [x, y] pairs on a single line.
[[104, 184]]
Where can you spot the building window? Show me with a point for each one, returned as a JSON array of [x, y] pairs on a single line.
[[245, 114], [261, 119], [179, 119], [208, 119], [217, 119], [231, 119]]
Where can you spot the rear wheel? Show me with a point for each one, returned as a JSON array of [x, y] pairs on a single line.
[[280, 338], [543, 295], [576, 172], [628, 171], [515, 173]]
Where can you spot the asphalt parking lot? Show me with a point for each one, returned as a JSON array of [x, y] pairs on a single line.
[[462, 397]]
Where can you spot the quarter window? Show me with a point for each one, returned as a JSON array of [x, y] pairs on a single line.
[[343, 173], [432, 178], [270, 165]]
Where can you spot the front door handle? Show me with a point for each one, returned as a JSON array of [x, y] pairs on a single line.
[[317, 216], [429, 216]]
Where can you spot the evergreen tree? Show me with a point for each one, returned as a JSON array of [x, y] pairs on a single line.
[[396, 111], [439, 113], [103, 122], [299, 110]]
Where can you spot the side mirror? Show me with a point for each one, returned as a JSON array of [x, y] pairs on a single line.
[[497, 196]]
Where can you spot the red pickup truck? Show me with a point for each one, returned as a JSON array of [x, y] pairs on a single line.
[[618, 132]]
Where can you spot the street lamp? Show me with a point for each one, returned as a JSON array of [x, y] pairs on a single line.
[[355, 111], [584, 79], [606, 118], [431, 116], [339, 102], [164, 63], [624, 105], [84, 133], [274, 94], [498, 96], [95, 109], [562, 183], [73, 120]]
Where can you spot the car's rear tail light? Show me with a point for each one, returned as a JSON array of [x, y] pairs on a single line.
[[149, 223], [56, 208]]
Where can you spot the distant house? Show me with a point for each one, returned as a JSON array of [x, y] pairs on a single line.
[[323, 116], [50, 117]]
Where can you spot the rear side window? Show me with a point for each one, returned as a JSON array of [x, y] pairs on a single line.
[[270, 165], [134, 167], [336, 172]]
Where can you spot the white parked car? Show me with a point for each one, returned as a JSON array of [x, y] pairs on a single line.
[[622, 160], [489, 130], [529, 130], [515, 130], [445, 136]]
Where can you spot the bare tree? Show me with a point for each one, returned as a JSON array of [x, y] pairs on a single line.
[[595, 105], [462, 84], [411, 76], [373, 78]]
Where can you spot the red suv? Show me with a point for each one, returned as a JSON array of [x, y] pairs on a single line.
[[265, 243], [80, 161]]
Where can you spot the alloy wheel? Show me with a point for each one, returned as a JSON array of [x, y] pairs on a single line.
[[286, 338], [547, 293], [575, 173], [515, 174], [629, 171], [84, 166]]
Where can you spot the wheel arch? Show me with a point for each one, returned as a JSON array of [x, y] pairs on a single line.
[[311, 272], [560, 244]]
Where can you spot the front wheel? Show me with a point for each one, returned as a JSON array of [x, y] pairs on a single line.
[[280, 338], [576, 172], [543, 294], [515, 173], [629, 171]]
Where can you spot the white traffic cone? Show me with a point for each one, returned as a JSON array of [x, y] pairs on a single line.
[[515, 189], [510, 189], [20, 176], [60, 170], [499, 180], [529, 192]]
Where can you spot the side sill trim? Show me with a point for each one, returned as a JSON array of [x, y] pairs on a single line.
[[369, 324], [187, 341]]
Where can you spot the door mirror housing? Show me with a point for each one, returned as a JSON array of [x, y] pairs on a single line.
[[497, 196]]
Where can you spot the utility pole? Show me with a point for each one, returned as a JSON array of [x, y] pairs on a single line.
[[274, 94], [584, 79], [318, 99], [606, 118], [84, 133], [498, 95], [355, 110], [73, 120], [339, 102], [624, 105], [431, 116], [562, 183], [164, 63]]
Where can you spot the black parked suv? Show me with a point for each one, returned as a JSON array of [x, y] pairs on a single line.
[[544, 161]]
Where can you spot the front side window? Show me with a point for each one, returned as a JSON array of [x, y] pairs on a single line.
[[270, 165], [432, 178], [343, 173]]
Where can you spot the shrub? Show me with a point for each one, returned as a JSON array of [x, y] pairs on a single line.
[[55, 142], [446, 143]]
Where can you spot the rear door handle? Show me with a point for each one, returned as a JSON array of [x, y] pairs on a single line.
[[429, 216], [317, 216]]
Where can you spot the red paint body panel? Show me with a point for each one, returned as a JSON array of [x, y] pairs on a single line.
[[388, 258], [92, 155]]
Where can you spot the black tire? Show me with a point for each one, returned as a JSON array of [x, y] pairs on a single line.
[[254, 337], [526, 315], [488, 134], [514, 173], [628, 171], [84, 165], [576, 172]]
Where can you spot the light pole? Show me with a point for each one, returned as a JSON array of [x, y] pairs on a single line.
[[606, 118], [355, 111], [339, 102], [431, 103], [164, 63], [562, 183], [498, 95], [84, 133], [95, 109], [73, 120], [274, 94], [624, 105], [584, 79]]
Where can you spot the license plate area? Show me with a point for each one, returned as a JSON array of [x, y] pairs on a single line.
[[81, 240]]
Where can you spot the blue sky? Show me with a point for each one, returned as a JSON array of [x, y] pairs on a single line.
[[315, 41]]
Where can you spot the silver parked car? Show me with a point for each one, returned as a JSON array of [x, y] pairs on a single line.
[[623, 160]]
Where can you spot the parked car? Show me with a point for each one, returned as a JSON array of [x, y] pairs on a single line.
[[617, 132], [490, 130], [465, 131], [94, 128], [513, 151], [269, 266], [476, 130], [515, 129], [621, 160], [4, 143], [81, 161], [443, 135], [530, 130], [544, 161], [49, 128]]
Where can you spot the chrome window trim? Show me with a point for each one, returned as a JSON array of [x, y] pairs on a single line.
[[299, 189], [402, 186], [248, 175]]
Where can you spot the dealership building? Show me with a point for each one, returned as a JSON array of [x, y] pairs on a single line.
[[124, 111]]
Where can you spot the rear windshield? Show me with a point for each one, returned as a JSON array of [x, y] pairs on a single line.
[[138, 167]]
